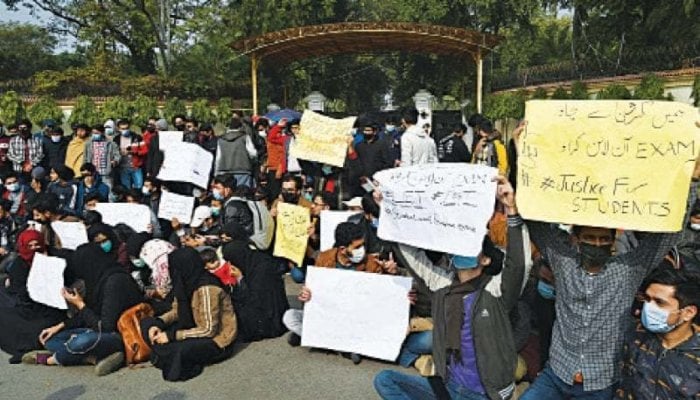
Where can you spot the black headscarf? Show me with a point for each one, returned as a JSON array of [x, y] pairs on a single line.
[[188, 274], [106, 230], [92, 265]]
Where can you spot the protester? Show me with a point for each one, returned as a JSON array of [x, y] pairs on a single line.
[[452, 148], [62, 186], [374, 153], [132, 156], [91, 183], [54, 147], [234, 154], [489, 150], [25, 151], [417, 147], [102, 153], [75, 152]]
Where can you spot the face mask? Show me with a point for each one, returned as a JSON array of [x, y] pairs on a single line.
[[55, 139], [13, 187], [262, 134], [179, 127], [138, 263], [309, 196], [291, 198], [125, 132], [106, 246], [546, 290], [375, 223], [196, 192], [217, 194], [357, 255], [464, 262], [655, 319], [109, 131], [327, 170], [145, 191], [96, 137], [390, 128], [24, 132], [695, 227], [594, 255], [215, 211]]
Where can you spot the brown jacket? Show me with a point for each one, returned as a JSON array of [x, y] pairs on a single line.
[[213, 315], [329, 259]]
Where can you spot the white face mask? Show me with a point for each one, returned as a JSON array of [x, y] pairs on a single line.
[[695, 227], [357, 255], [262, 134], [145, 191]]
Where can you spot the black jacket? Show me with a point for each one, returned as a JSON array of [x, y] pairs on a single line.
[[453, 149], [374, 156], [54, 153], [236, 209]]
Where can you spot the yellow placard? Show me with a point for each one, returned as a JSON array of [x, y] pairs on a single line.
[[292, 232], [322, 139], [608, 163]]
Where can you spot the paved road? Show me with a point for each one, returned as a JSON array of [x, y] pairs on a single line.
[[264, 370]]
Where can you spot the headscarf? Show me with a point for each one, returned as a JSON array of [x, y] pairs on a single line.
[[239, 253], [106, 230], [187, 272], [155, 254], [135, 243], [29, 235], [91, 264]]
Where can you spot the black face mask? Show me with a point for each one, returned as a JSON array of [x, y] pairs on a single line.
[[180, 127], [291, 198], [594, 255]]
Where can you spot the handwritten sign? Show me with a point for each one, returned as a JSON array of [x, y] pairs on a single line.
[[292, 232], [72, 234], [329, 221], [45, 281], [168, 138], [613, 164], [346, 305], [322, 139], [137, 216], [442, 207], [186, 162], [173, 205]]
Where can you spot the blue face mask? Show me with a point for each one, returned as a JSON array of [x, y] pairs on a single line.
[[215, 211], [96, 137], [106, 246], [327, 170], [138, 263], [126, 132], [546, 290], [655, 319], [463, 262], [217, 194]]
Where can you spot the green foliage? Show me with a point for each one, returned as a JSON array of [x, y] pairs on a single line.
[[173, 107], [614, 91], [696, 91], [11, 108], [650, 88], [116, 108], [45, 108], [560, 94], [24, 50], [202, 112], [143, 108], [505, 105], [224, 110], [540, 94], [579, 91], [85, 112]]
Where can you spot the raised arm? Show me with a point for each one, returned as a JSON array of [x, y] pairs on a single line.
[[416, 260]]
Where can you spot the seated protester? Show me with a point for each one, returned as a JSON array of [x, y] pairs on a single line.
[[62, 186], [290, 194], [689, 243], [473, 349], [206, 226], [45, 212], [200, 327], [90, 336], [91, 218], [227, 273], [347, 254], [91, 183], [22, 318], [660, 360], [368, 220], [158, 289], [134, 196], [7, 234], [235, 208], [17, 195], [139, 270], [37, 186], [259, 298], [321, 202], [103, 235]]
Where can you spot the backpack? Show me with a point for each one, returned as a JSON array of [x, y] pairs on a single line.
[[263, 225]]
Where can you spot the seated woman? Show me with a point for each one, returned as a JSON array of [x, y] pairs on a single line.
[[200, 327], [22, 318], [106, 237], [91, 336]]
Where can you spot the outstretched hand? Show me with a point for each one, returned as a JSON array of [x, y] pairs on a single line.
[[505, 194]]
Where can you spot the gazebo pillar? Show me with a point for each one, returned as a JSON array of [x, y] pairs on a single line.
[[254, 81], [479, 79]]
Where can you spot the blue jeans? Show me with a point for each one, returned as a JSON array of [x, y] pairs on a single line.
[[392, 385], [131, 178], [72, 346], [415, 345], [549, 386]]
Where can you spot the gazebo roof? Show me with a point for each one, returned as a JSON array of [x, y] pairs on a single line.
[[366, 37]]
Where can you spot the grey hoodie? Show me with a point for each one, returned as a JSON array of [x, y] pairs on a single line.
[[234, 153]]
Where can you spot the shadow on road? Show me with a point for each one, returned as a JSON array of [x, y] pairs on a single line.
[[170, 395], [69, 393]]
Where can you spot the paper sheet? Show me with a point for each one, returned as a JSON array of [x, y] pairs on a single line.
[[292, 234], [186, 162], [330, 220], [167, 138], [322, 139], [173, 205], [45, 281], [72, 234], [137, 216]]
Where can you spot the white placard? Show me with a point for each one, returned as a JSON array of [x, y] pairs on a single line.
[[168, 138], [137, 216], [346, 306], [443, 207], [72, 234], [45, 281], [173, 205], [186, 162], [329, 221]]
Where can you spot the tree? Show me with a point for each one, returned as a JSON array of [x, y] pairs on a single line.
[[24, 50], [614, 92], [202, 112], [116, 108], [85, 112], [143, 108], [224, 110], [173, 107], [560, 94], [650, 88], [539, 94], [696, 91], [11, 108], [45, 108], [579, 91]]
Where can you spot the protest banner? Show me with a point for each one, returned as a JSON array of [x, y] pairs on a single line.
[[45, 281], [614, 164], [71, 234], [186, 162], [292, 232], [168, 138], [137, 216], [329, 221], [173, 205], [322, 139], [442, 207], [346, 306]]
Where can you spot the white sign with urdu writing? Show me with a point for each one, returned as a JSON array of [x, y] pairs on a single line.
[[137, 216], [357, 312], [45, 281], [186, 162], [173, 205]]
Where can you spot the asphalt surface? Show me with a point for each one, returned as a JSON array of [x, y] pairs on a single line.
[[270, 369]]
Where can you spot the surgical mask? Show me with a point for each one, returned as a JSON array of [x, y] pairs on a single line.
[[215, 211], [695, 227], [595, 255], [109, 131], [13, 187], [375, 222], [262, 134], [55, 139], [217, 194], [291, 198], [655, 319], [546, 290], [106, 246], [357, 255], [96, 136], [138, 263], [125, 132], [390, 128], [309, 196], [327, 170], [464, 262], [145, 191]]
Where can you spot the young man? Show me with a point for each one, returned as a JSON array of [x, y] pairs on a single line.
[[489, 150], [416, 146], [102, 153], [374, 154], [662, 358], [25, 152], [235, 208], [235, 153], [75, 152], [452, 147], [130, 174], [290, 194], [54, 147]]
